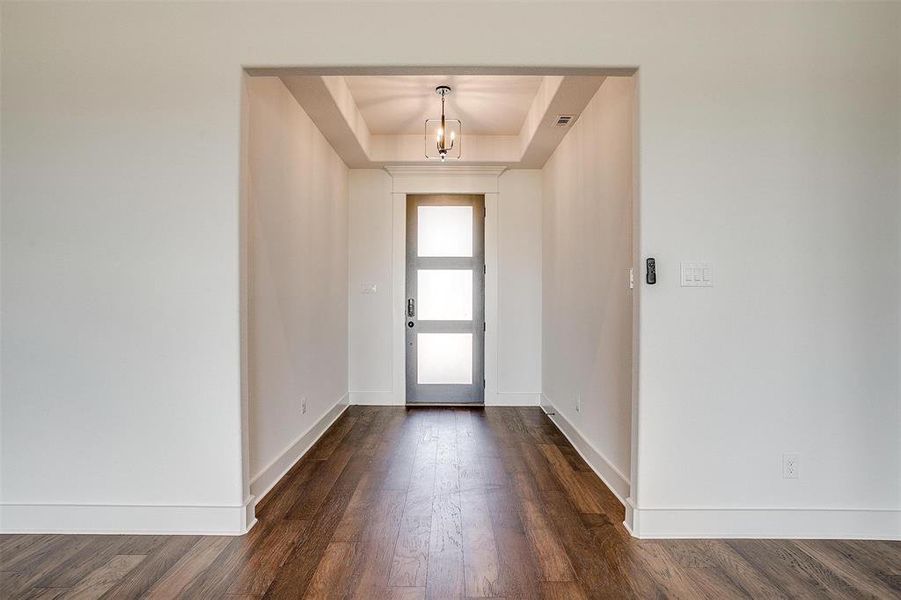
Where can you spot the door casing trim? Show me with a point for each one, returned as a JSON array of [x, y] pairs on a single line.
[[446, 179]]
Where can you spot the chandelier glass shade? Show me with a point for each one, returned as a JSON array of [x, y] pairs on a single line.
[[443, 136]]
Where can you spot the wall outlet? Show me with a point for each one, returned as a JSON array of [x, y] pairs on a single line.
[[303, 405], [579, 402], [791, 465]]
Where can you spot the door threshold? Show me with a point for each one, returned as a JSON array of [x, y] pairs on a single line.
[[449, 404]]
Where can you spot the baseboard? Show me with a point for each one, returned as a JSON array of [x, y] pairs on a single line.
[[719, 523], [609, 474], [513, 399], [375, 399], [164, 519], [778, 523], [265, 480], [497, 399], [127, 519], [545, 403]]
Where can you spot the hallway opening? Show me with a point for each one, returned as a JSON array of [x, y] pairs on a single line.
[[530, 302]]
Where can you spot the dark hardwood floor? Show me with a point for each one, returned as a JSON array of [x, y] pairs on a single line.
[[441, 503]]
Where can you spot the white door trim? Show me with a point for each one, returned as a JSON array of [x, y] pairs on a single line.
[[442, 179]]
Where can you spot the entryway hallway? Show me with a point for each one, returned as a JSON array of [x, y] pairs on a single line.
[[442, 503]]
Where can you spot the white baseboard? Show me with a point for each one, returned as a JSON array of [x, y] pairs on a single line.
[[265, 480], [127, 519], [375, 399], [545, 403], [497, 399], [609, 474], [513, 399], [779, 523], [164, 519]]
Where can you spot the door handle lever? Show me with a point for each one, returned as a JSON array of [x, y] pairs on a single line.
[[411, 308]]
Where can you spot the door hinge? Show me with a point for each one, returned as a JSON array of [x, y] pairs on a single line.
[[485, 269], [483, 384], [484, 326]]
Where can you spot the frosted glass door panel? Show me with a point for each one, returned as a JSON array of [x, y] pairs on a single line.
[[444, 358], [445, 231], [445, 294]]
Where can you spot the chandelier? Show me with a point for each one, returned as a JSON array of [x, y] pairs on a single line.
[[442, 135]]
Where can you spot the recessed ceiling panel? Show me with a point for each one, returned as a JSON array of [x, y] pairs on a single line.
[[487, 104]]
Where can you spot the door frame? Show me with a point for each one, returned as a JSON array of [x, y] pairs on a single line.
[[443, 179], [446, 394]]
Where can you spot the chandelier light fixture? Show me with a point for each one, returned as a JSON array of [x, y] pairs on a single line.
[[443, 136]]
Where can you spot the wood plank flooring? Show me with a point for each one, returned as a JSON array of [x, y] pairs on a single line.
[[406, 504]]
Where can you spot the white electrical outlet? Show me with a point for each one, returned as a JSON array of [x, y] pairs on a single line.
[[579, 402], [303, 405], [791, 465]]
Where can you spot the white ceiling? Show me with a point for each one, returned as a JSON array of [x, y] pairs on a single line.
[[487, 104]]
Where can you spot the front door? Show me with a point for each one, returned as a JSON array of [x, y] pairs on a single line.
[[445, 311]]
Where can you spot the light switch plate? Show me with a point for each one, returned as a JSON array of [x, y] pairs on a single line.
[[697, 274], [791, 465], [368, 288]]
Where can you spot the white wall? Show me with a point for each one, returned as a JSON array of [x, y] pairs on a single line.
[[513, 237], [371, 254], [781, 176], [519, 287], [586, 256], [769, 145], [297, 249], [120, 348]]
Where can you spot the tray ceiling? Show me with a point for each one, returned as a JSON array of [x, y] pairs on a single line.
[[376, 119], [487, 104]]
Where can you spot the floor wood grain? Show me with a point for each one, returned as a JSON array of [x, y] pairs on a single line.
[[444, 503]]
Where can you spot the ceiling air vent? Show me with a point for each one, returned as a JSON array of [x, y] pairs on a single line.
[[564, 120]]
